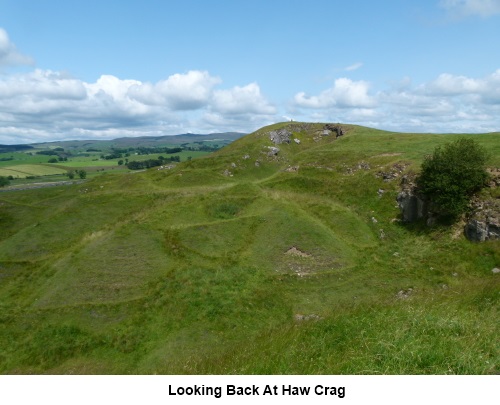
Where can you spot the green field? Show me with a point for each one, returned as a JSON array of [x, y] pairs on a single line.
[[20, 165], [31, 170], [244, 263]]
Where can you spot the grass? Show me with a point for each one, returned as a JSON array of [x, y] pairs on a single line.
[[30, 170], [268, 271]]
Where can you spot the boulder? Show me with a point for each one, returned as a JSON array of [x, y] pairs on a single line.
[[479, 231], [412, 206], [484, 223], [333, 128], [273, 151], [280, 136]]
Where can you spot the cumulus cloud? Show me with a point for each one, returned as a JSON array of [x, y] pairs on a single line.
[[466, 8], [480, 90], [242, 100], [345, 93], [449, 103], [41, 84], [188, 91], [44, 104], [9, 56]]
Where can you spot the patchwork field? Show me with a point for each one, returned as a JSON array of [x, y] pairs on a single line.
[[23, 171]]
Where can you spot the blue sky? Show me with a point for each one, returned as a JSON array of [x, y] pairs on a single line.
[[102, 69]]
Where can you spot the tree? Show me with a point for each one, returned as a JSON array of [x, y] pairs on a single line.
[[4, 181], [451, 175], [71, 174], [82, 174]]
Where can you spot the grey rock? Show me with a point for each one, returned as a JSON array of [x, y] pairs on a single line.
[[412, 206], [310, 317], [404, 294], [496, 270], [334, 128], [273, 151], [476, 231], [280, 136], [297, 141]]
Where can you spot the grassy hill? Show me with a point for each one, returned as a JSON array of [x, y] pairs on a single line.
[[245, 262]]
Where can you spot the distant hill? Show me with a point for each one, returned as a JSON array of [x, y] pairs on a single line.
[[144, 141], [14, 148]]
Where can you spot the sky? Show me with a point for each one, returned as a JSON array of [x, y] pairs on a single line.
[[101, 69]]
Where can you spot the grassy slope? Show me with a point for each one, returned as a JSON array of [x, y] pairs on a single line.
[[187, 271]]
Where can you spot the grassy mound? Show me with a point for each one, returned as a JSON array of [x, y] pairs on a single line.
[[247, 261]]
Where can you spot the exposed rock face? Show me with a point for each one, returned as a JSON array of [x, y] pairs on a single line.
[[334, 128], [484, 223], [412, 206], [395, 171], [476, 231], [280, 136], [297, 252]]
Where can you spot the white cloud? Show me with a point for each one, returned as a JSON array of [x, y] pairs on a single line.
[[188, 91], [9, 56], [465, 8], [480, 90], [40, 84], [242, 100], [43, 104], [447, 84], [354, 66], [449, 103], [345, 93]]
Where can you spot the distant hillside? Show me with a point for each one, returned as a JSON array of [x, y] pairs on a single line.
[[14, 148], [143, 141], [281, 253]]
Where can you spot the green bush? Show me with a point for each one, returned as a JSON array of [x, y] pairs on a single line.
[[4, 181], [452, 174]]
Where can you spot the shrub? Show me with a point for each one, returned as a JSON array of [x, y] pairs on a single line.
[[452, 174], [4, 181]]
